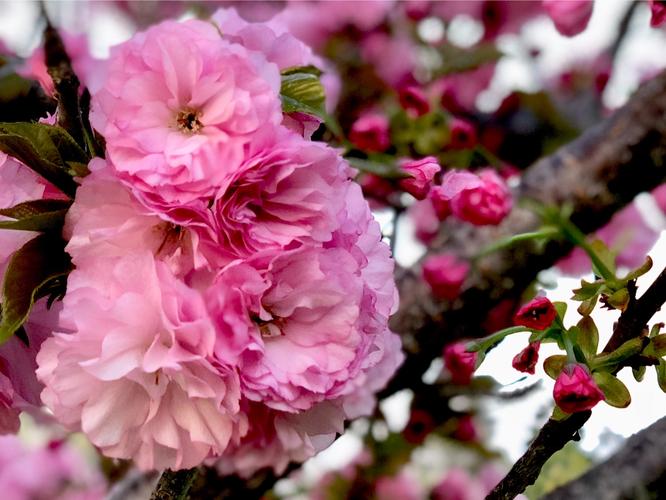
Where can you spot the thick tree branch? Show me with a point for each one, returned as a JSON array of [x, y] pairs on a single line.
[[640, 463], [174, 485], [555, 434]]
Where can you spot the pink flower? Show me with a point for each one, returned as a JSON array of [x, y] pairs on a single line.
[[458, 92], [569, 16], [376, 188], [179, 107], [627, 234], [402, 486], [89, 70], [575, 389], [371, 133], [457, 485], [445, 274], [414, 101], [526, 360], [463, 134], [425, 220], [281, 196], [422, 173], [135, 370], [482, 199], [55, 470], [273, 40], [440, 202], [460, 363], [394, 70], [538, 314], [658, 10]]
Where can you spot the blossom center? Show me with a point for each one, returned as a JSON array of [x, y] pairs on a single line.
[[188, 121]]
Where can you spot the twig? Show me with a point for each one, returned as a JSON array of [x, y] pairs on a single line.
[[556, 433], [623, 29], [551, 438], [641, 462], [174, 485]]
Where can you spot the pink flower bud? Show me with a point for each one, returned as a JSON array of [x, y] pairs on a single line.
[[463, 134], [575, 389], [460, 363], [538, 314], [658, 12], [526, 360], [440, 202], [413, 100], [371, 133], [422, 173], [482, 199], [569, 16], [445, 274]]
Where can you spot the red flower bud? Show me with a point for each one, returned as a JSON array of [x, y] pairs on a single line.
[[526, 360], [445, 274], [422, 173], [658, 12], [460, 363], [414, 101], [575, 389], [463, 134], [371, 133], [440, 202], [466, 430], [538, 314]]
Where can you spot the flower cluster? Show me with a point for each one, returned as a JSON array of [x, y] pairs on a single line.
[[231, 291]]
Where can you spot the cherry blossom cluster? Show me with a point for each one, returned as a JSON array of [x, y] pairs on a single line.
[[230, 293]]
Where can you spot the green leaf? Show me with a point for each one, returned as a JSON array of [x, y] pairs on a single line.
[[302, 92], [45, 149], [611, 360], [586, 336], [561, 308], [458, 60], [30, 270], [661, 374], [553, 365], [559, 414], [640, 271], [587, 306], [587, 290], [36, 215], [616, 392], [638, 373], [619, 299], [388, 170], [605, 255]]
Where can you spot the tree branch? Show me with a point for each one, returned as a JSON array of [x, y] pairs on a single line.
[[639, 463], [556, 433], [597, 174], [174, 485]]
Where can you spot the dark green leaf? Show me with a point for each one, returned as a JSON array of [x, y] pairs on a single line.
[[36, 215], [45, 149], [561, 308], [616, 392], [30, 269], [638, 373], [458, 60]]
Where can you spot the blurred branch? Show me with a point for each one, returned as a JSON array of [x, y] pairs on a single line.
[[174, 485], [556, 433], [623, 29], [637, 466]]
